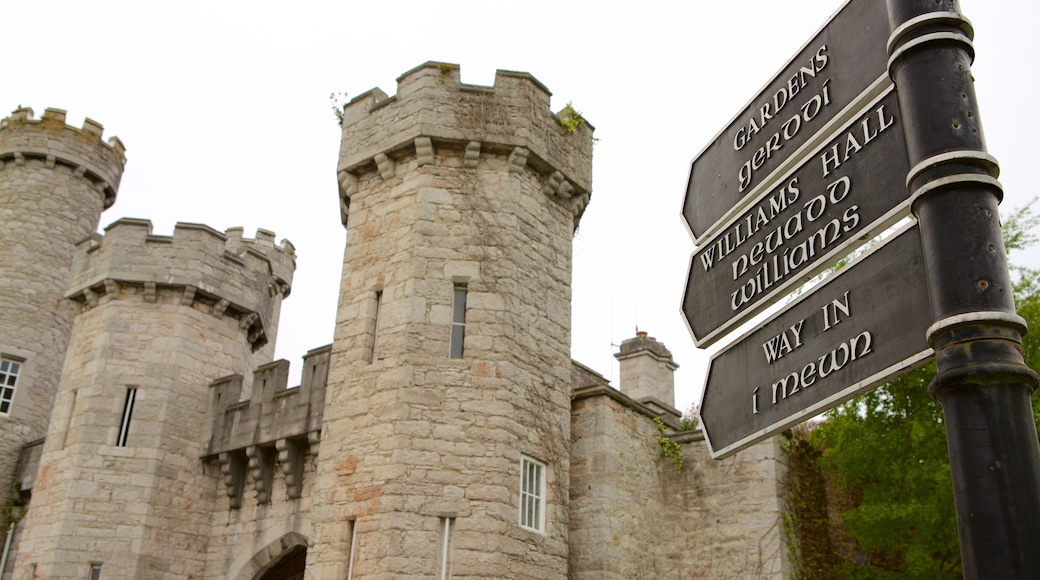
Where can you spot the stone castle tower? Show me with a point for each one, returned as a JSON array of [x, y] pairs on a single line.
[[445, 433], [55, 180], [450, 374], [160, 317]]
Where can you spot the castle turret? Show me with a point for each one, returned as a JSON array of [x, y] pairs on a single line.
[[55, 180], [121, 481], [446, 423]]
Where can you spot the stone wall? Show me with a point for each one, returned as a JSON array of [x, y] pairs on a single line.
[[634, 516], [55, 180]]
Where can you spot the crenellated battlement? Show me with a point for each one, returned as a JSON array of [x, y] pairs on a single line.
[[276, 421], [231, 275], [434, 110], [49, 139]]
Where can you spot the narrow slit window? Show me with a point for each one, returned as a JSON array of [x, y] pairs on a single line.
[[9, 372], [458, 321], [128, 411], [353, 549], [532, 494], [444, 549], [95, 572], [375, 333]]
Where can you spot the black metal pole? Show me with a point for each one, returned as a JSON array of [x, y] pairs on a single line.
[[983, 384]]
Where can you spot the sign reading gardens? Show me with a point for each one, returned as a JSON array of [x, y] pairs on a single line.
[[810, 170], [841, 67]]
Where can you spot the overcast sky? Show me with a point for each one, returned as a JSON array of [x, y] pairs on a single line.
[[224, 109]]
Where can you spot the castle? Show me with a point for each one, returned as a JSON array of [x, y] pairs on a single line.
[[445, 433]]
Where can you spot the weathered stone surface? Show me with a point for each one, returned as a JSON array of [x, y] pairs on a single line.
[[634, 516], [388, 441], [55, 180]]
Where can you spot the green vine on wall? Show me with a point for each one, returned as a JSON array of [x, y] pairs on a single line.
[[811, 551], [444, 69], [669, 448], [13, 510], [569, 119], [339, 104]]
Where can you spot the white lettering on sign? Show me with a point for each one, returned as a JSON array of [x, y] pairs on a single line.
[[807, 112], [774, 105], [775, 348], [760, 217], [774, 265], [855, 140], [832, 360]]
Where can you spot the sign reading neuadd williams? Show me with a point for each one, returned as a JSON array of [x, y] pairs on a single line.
[[850, 188], [842, 66], [863, 327]]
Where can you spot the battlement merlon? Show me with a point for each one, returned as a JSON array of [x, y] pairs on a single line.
[[243, 277], [432, 102], [274, 411], [49, 138]]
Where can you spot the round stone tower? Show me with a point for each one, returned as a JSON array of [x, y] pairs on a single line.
[[445, 443], [121, 485], [55, 180]]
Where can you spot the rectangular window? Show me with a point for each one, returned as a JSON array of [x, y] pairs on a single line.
[[375, 333], [532, 494], [9, 371], [95, 572], [128, 411], [444, 549], [458, 321]]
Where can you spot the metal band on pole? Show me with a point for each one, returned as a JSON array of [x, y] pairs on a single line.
[[981, 382]]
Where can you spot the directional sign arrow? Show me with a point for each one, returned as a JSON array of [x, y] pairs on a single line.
[[851, 188], [797, 108], [859, 329]]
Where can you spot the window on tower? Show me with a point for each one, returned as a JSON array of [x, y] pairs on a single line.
[[532, 494], [458, 321], [10, 369]]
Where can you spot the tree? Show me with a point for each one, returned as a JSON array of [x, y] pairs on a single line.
[[884, 458]]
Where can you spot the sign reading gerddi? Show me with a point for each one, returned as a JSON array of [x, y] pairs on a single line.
[[857, 330], [840, 68], [850, 188]]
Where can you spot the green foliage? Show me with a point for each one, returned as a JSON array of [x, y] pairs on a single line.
[[884, 460], [806, 524], [13, 510], [569, 119], [886, 452], [669, 448], [1020, 229], [689, 420], [444, 69], [339, 104]]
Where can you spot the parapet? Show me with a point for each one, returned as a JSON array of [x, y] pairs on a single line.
[[49, 138], [276, 421], [236, 276], [432, 108]]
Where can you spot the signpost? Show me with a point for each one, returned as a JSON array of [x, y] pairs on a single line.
[[849, 188], [839, 69], [866, 325], [857, 330]]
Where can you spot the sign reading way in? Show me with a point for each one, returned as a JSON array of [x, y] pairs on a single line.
[[828, 79], [852, 187], [857, 330]]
